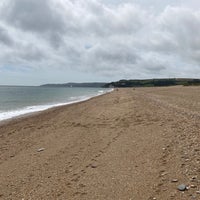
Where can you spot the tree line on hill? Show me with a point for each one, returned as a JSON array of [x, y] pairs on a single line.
[[154, 83]]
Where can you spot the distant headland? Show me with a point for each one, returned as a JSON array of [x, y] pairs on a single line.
[[91, 84]]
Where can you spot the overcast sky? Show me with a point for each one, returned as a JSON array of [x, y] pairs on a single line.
[[57, 41]]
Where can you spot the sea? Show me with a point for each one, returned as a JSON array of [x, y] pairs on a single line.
[[21, 100]]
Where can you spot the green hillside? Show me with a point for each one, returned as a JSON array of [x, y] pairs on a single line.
[[154, 82]]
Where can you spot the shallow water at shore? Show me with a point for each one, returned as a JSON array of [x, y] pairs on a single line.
[[16, 101]]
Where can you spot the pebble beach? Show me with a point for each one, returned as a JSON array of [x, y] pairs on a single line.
[[130, 144]]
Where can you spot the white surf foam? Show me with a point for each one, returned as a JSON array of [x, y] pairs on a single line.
[[37, 108]]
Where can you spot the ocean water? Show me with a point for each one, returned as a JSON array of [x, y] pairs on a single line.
[[20, 100]]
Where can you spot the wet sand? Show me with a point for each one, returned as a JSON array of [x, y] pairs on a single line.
[[128, 144]]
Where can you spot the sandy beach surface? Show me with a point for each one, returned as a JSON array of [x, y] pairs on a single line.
[[131, 144]]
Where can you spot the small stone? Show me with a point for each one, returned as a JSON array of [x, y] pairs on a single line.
[[93, 166], [172, 195], [174, 180], [154, 198], [182, 187], [163, 174], [41, 149], [194, 179], [188, 187], [198, 192], [193, 186]]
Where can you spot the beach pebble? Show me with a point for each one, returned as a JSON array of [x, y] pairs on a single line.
[[163, 174], [194, 177], [41, 149], [172, 195], [174, 180], [93, 166], [182, 187]]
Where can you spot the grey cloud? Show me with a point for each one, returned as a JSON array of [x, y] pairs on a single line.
[[157, 68], [5, 38], [113, 55], [112, 40], [32, 15], [110, 59], [41, 17], [34, 54], [124, 20], [153, 66], [183, 27], [182, 24]]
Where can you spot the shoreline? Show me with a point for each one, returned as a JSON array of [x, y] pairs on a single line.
[[53, 106], [113, 146]]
